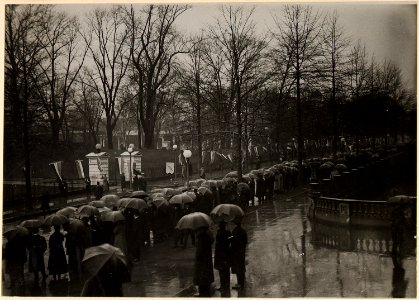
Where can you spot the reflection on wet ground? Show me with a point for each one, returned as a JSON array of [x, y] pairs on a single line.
[[287, 256]]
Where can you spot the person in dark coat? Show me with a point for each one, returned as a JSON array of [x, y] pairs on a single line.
[[37, 245], [99, 191], [122, 182], [136, 237], [203, 268], [222, 257], [74, 244], [15, 256], [57, 262], [238, 244], [135, 183], [88, 185], [260, 189]]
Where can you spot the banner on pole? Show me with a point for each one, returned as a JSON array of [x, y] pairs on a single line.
[[170, 168], [56, 165], [120, 165], [212, 154], [230, 157], [99, 164], [79, 167]]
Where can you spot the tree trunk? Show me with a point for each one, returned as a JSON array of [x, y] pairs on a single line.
[[149, 137], [139, 133], [109, 132], [26, 151], [239, 135]]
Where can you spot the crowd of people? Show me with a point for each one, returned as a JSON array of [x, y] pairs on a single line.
[[138, 228]]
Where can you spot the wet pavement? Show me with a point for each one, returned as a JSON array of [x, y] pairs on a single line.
[[287, 256]]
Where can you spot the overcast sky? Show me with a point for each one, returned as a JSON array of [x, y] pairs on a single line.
[[388, 30]]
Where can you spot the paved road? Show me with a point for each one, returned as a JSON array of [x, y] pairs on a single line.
[[283, 260]]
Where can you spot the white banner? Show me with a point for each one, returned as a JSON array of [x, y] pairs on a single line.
[[79, 167], [56, 165], [170, 168], [120, 165], [212, 156]]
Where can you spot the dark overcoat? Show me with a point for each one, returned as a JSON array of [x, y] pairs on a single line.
[[204, 273], [238, 250]]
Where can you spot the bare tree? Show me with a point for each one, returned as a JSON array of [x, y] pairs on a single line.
[[334, 45], [88, 104], [22, 49], [107, 40], [299, 30], [56, 74], [154, 45], [234, 33]]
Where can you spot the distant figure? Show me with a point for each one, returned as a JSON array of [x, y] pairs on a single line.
[[135, 183], [204, 273], [122, 182], [57, 262], [88, 185], [105, 184], [45, 204], [182, 163], [99, 191], [238, 254], [202, 173], [142, 183], [37, 245], [222, 257]]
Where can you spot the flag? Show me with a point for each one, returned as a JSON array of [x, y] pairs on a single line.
[[99, 164], [170, 168], [249, 148], [212, 154], [256, 150], [203, 157], [295, 145], [119, 165], [56, 165], [79, 167], [264, 149], [230, 157]]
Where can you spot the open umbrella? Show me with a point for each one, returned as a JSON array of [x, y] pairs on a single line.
[[122, 202], [191, 194], [156, 191], [33, 223], [209, 183], [155, 195], [96, 258], [97, 203], [242, 186], [87, 210], [401, 199], [231, 174], [204, 191], [159, 202], [226, 212], [340, 167], [55, 219], [199, 181], [112, 216], [110, 199], [76, 226], [135, 203], [139, 194], [180, 199], [68, 211], [194, 221], [13, 231], [103, 210]]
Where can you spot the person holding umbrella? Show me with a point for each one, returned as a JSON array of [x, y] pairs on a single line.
[[238, 242], [15, 256], [37, 245], [108, 270], [222, 257], [203, 269], [57, 262]]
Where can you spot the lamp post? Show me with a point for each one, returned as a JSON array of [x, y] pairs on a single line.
[[174, 160], [130, 150], [187, 154]]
